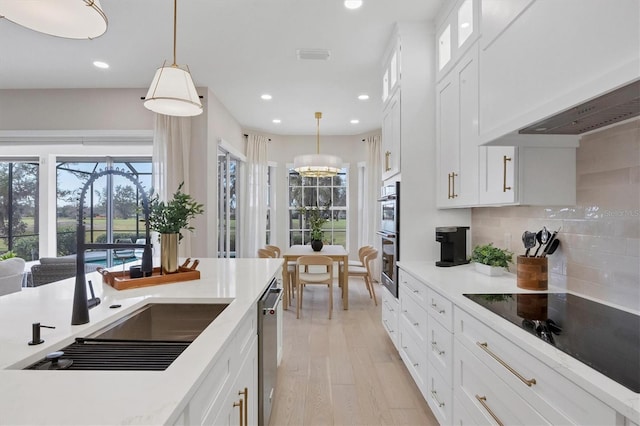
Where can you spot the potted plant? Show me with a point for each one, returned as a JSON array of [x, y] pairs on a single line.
[[491, 260], [316, 217], [169, 219]]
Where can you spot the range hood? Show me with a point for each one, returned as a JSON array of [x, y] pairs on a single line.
[[618, 105]]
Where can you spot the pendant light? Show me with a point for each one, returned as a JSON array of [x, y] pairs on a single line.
[[77, 19], [317, 165], [172, 91]]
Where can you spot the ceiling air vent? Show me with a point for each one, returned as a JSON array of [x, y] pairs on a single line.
[[313, 54], [618, 105]]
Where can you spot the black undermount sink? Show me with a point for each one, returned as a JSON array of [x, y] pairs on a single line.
[[150, 338]]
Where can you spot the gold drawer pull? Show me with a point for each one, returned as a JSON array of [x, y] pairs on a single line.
[[453, 185], [485, 347], [435, 398], [483, 401], [434, 346], [435, 306], [387, 162], [245, 393], [240, 405]]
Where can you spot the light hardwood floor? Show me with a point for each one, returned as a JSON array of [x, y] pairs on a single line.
[[343, 371]]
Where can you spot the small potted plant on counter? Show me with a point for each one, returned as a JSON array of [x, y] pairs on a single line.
[[491, 260], [168, 219]]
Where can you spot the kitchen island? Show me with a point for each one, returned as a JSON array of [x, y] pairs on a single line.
[[122, 397]]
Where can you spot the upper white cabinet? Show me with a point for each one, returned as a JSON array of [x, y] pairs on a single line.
[[405, 70], [391, 136], [457, 134], [527, 176], [540, 57], [458, 29]]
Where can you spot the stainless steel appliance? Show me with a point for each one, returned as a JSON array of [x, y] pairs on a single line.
[[267, 349], [390, 235], [605, 338]]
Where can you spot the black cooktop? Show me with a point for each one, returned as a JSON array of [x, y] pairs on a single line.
[[605, 338]]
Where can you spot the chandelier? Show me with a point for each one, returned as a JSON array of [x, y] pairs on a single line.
[[317, 165], [172, 91], [77, 19]]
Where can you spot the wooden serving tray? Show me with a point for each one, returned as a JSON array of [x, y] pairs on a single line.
[[121, 280]]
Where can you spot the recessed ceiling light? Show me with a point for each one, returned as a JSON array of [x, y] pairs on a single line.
[[100, 64], [352, 4], [363, 97], [277, 121], [354, 121], [266, 97]]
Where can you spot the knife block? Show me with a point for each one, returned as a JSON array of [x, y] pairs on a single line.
[[532, 273]]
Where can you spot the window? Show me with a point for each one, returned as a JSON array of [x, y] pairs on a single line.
[[228, 171], [310, 192], [111, 204], [19, 211]]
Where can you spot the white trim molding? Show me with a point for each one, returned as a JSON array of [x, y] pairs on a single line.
[[83, 137]]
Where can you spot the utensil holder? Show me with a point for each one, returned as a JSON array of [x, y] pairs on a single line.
[[532, 273]]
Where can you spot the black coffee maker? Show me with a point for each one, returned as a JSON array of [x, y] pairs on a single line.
[[453, 245]]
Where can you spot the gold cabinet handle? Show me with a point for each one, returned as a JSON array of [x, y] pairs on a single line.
[[245, 392], [449, 186], [387, 161], [485, 347], [434, 395], [453, 185], [434, 346], [240, 405], [483, 401], [505, 188]]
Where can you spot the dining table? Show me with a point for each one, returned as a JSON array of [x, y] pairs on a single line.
[[336, 252]]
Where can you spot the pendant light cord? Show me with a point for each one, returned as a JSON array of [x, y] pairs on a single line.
[[175, 25]]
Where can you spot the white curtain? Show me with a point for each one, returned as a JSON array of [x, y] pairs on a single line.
[[171, 149], [370, 215], [253, 227]]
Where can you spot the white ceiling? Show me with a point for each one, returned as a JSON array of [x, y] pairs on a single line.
[[240, 49]]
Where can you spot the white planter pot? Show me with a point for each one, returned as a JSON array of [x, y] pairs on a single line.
[[492, 271]]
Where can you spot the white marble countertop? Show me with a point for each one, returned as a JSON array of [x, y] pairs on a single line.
[[120, 397], [453, 282]]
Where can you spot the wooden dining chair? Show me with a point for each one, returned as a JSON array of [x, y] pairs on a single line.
[[291, 270], [306, 275], [361, 251], [266, 254], [365, 271]]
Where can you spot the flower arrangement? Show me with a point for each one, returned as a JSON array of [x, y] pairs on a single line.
[[316, 217], [493, 256], [174, 215]]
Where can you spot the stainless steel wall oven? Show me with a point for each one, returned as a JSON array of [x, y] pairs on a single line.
[[389, 232]]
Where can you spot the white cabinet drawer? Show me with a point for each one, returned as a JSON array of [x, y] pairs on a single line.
[[439, 396], [440, 308], [414, 357], [440, 349], [488, 397], [390, 310], [414, 315], [412, 287], [558, 399]]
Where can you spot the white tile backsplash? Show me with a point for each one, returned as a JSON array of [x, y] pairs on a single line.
[[599, 253]]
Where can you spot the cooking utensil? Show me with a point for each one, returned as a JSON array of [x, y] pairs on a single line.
[[542, 236], [529, 241], [548, 245], [551, 249]]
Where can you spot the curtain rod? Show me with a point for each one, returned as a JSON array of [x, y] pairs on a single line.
[[246, 136]]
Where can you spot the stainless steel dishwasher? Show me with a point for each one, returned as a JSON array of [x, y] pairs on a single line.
[[267, 350]]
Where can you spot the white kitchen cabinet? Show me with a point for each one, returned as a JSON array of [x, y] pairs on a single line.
[[391, 136], [390, 310], [539, 58], [234, 370], [527, 176], [458, 29], [413, 329], [457, 134], [391, 68], [517, 387]]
